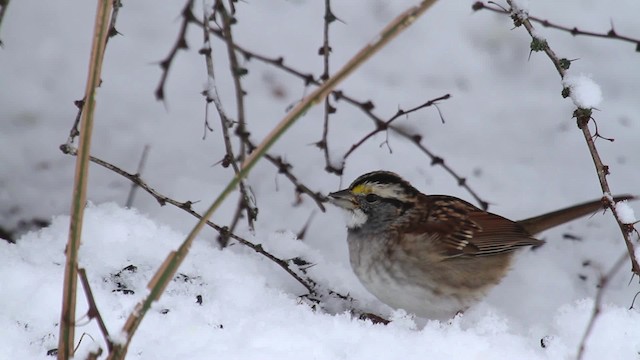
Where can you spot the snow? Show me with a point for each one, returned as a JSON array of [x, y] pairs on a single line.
[[507, 131], [625, 213], [521, 5], [245, 312], [520, 8], [119, 338], [584, 92]]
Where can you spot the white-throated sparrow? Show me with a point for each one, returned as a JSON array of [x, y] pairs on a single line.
[[433, 255]]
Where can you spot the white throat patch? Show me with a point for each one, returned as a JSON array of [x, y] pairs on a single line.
[[355, 218]]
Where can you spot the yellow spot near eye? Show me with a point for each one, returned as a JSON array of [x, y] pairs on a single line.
[[362, 189]]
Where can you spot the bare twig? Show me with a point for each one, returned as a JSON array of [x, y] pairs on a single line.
[[244, 201], [611, 34], [597, 305], [92, 355], [365, 106], [602, 172], [583, 117], [174, 259], [117, 4], [285, 169], [384, 125], [300, 235], [236, 70], [294, 267], [325, 51], [3, 9], [180, 44], [93, 311], [416, 139], [211, 92], [186, 206], [74, 132], [633, 301], [134, 187]]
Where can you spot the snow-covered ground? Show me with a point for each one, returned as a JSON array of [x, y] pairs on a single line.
[[506, 128]]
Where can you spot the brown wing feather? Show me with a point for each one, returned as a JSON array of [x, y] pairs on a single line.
[[499, 235], [457, 228]]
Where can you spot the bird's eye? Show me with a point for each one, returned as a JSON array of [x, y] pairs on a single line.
[[372, 198]]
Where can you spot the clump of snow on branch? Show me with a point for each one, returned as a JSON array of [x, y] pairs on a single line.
[[625, 213], [584, 92], [520, 8]]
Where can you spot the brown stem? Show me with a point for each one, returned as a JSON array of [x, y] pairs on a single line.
[[308, 283], [611, 34], [180, 44], [93, 311], [583, 117], [603, 282], [365, 106]]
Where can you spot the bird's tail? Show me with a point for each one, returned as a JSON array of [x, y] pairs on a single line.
[[546, 221]]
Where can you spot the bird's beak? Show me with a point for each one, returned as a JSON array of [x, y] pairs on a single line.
[[343, 199]]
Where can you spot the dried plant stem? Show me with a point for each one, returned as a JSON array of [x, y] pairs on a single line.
[[67, 317], [168, 269]]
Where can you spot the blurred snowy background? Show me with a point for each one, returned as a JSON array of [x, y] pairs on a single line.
[[507, 129]]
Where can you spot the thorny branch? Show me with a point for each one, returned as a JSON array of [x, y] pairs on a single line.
[[211, 92], [3, 9], [134, 187], [365, 106], [325, 51], [244, 201], [416, 139], [180, 44], [117, 4], [611, 34], [305, 281], [583, 117], [74, 132], [282, 166], [285, 169], [237, 71], [597, 305], [384, 125], [93, 311]]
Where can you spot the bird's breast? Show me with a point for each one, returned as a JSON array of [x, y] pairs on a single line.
[[397, 286]]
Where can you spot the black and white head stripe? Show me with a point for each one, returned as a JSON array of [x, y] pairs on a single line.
[[384, 184]]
